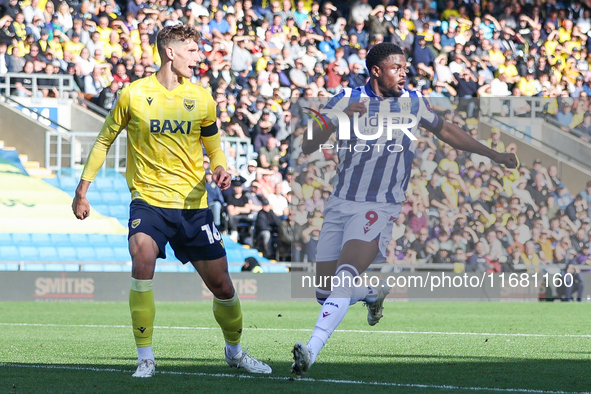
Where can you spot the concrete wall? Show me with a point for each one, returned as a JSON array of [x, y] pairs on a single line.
[[23, 133], [85, 120], [571, 174]]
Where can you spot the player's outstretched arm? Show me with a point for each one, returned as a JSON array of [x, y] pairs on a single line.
[[457, 138]]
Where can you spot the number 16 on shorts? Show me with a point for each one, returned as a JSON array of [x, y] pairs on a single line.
[[213, 235]]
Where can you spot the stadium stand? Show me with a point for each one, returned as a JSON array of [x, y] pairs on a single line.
[[534, 52]]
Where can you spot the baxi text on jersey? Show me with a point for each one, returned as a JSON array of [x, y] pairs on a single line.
[[170, 126]]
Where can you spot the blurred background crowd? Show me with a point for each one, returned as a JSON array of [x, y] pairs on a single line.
[[266, 59]]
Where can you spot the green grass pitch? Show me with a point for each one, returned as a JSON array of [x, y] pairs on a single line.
[[418, 347]]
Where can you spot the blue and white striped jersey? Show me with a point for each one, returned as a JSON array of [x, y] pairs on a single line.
[[378, 170]]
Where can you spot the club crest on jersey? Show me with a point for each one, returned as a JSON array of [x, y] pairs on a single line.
[[189, 104], [404, 103], [136, 223]]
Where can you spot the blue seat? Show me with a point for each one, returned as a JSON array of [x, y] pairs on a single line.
[[104, 184], [40, 239], [270, 268], [120, 185], [104, 253], [103, 209], [66, 253], [97, 240], [117, 240], [53, 182], [33, 267], [28, 253], [60, 239], [21, 238], [6, 239], [92, 267], [234, 268], [121, 253], [68, 183], [95, 197], [125, 198], [234, 255], [116, 268], [86, 253], [48, 253], [9, 267], [8, 253], [62, 267], [110, 197], [166, 268], [119, 211], [78, 240]]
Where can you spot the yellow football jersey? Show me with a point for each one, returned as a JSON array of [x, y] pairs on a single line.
[[164, 152]]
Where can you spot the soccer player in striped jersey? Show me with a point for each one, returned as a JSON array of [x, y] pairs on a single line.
[[167, 120], [372, 177]]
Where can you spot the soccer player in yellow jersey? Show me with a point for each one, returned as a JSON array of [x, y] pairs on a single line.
[[167, 119]]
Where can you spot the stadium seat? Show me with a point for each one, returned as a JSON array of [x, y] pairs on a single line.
[[6, 239], [40, 239], [104, 253], [21, 238], [120, 185], [95, 198], [104, 184], [53, 182], [103, 209], [110, 197], [68, 183], [28, 253], [62, 267], [116, 268], [92, 267], [119, 211], [33, 267], [116, 240], [9, 253], [78, 240], [167, 268], [9, 267], [60, 239], [121, 253], [97, 240], [48, 253], [66, 253], [86, 253]]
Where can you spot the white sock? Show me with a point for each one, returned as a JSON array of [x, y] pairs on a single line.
[[332, 312], [232, 350], [322, 295], [364, 293], [145, 353]]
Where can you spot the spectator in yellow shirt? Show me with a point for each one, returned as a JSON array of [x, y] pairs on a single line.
[[528, 84], [495, 134], [449, 163]]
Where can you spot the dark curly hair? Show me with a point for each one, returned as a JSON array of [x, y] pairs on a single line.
[[178, 33], [380, 52]]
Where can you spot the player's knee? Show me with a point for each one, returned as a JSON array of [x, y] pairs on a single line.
[[222, 289], [344, 281], [322, 295]]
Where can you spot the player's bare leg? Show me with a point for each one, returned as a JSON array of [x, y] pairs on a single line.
[[144, 252], [355, 257], [228, 314]]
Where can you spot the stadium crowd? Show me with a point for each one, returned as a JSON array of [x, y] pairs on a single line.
[[264, 59]]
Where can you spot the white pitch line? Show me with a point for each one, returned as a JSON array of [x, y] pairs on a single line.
[[277, 378], [309, 330]]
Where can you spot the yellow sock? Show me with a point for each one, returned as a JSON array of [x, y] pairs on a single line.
[[228, 314], [143, 311]]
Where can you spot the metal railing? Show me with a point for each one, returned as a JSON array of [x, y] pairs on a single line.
[[33, 113], [65, 82], [71, 150]]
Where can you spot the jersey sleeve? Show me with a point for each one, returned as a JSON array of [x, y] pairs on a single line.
[[210, 115], [337, 102], [427, 117], [115, 122]]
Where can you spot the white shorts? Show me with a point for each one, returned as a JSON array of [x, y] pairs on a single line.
[[346, 220]]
